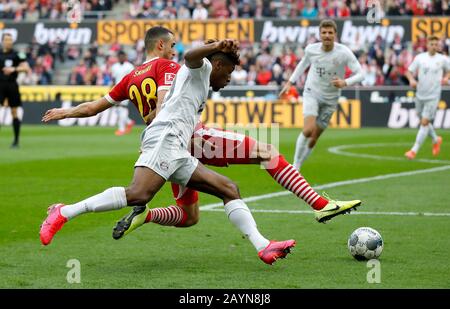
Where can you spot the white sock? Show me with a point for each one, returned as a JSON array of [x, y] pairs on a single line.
[[305, 156], [420, 138], [300, 146], [122, 118], [432, 133], [241, 217], [110, 199]]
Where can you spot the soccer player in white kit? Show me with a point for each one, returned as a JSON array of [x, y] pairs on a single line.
[[429, 67], [118, 71], [326, 61], [165, 156]]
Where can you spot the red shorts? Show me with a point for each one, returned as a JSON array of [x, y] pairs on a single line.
[[186, 197], [219, 148]]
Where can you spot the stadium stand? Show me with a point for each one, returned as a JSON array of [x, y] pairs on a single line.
[[57, 62]]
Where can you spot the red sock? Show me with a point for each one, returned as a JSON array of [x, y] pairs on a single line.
[[171, 216], [291, 179]]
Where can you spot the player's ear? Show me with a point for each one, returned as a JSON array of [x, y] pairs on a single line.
[[160, 44]]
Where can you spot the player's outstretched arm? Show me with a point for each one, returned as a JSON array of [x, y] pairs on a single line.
[[446, 77], [194, 57], [357, 72], [412, 81], [285, 88], [299, 70], [86, 109]]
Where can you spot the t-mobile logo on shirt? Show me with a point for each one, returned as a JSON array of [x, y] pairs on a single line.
[[320, 71]]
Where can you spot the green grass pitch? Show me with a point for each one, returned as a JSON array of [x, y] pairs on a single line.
[[411, 211]]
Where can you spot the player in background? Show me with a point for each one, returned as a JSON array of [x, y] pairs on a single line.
[[118, 71], [164, 144], [11, 63], [327, 61], [429, 67]]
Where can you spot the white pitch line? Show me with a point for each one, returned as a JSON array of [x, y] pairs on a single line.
[[335, 184], [381, 213], [339, 150]]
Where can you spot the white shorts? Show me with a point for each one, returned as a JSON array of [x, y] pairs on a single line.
[[164, 155], [124, 103], [321, 109], [426, 108]]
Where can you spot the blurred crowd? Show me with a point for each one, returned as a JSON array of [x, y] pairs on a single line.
[[261, 64], [32, 10], [203, 9], [384, 63]]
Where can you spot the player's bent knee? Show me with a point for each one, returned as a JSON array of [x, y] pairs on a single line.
[[425, 122], [231, 191], [272, 150], [267, 151], [192, 212], [191, 220], [137, 196], [308, 132]]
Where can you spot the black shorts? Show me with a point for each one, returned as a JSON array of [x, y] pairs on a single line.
[[11, 92]]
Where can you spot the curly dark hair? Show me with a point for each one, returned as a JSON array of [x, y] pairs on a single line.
[[231, 57]]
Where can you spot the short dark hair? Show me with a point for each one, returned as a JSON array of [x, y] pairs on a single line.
[[328, 23], [433, 37], [6, 34], [231, 58], [153, 34], [121, 53]]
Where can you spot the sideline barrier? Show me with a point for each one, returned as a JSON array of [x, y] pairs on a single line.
[[391, 107]]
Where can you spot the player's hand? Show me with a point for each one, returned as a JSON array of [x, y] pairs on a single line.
[[413, 83], [338, 83], [54, 114], [228, 46], [285, 89], [8, 70]]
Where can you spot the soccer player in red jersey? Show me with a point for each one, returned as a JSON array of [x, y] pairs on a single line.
[[150, 82]]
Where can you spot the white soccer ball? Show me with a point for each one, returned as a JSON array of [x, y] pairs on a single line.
[[365, 243]]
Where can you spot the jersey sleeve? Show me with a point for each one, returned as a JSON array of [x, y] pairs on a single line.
[[165, 74], [354, 65], [447, 64], [301, 67], [119, 91], [414, 65], [202, 71]]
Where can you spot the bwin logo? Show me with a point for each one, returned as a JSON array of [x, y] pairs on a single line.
[[70, 36], [280, 34], [401, 117]]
